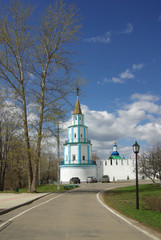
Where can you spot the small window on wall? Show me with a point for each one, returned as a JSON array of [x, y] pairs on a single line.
[[73, 158], [75, 135], [81, 136], [75, 117], [84, 158], [79, 117]]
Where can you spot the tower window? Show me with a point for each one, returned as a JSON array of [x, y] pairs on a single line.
[[75, 117], [73, 158]]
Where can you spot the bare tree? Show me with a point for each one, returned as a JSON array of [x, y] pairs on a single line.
[[35, 62], [150, 163], [14, 52]]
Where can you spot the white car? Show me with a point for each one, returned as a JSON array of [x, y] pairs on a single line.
[[105, 178]]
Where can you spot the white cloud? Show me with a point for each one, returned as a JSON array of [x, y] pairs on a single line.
[[145, 97], [117, 80], [137, 66], [129, 28], [121, 79], [113, 80], [140, 120], [126, 74], [106, 38], [101, 39]]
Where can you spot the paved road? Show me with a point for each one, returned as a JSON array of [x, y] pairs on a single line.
[[76, 215]]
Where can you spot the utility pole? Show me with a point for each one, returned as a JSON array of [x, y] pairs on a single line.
[[58, 156]]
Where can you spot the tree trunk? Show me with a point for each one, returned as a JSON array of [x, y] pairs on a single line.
[[1, 159], [39, 137], [28, 149]]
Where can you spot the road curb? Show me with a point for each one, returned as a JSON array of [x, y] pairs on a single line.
[[21, 205], [124, 218]]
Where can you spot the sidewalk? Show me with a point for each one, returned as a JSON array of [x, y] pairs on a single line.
[[10, 201]]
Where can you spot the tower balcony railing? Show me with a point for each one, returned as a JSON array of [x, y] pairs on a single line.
[[75, 162], [76, 140]]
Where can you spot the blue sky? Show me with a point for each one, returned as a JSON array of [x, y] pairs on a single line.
[[120, 48], [119, 54]]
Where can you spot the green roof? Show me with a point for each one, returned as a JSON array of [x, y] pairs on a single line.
[[115, 157]]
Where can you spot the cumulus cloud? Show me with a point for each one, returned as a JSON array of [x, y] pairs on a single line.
[[140, 120]]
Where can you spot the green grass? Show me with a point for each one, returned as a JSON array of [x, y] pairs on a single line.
[[44, 189], [124, 200]]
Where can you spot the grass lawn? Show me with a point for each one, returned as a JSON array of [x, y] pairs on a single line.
[[124, 200], [45, 188]]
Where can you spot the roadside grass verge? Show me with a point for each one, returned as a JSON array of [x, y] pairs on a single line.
[[124, 201], [44, 188]]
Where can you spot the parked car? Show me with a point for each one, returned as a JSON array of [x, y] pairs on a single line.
[[105, 178], [91, 179], [74, 180], [94, 179]]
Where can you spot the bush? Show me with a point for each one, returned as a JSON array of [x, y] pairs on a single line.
[[152, 203]]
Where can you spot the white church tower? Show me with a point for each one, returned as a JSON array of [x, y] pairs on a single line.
[[77, 150]]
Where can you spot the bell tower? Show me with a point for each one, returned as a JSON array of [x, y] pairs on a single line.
[[77, 148]]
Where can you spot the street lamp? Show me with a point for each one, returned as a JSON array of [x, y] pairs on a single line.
[[136, 148]]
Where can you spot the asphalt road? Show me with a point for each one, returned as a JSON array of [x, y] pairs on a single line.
[[75, 215]]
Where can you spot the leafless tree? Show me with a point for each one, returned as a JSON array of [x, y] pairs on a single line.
[[150, 163], [35, 60]]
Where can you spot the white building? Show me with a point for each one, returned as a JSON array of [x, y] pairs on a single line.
[[78, 156], [77, 150], [115, 167]]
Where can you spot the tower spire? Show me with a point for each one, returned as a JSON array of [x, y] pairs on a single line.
[[77, 109]]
